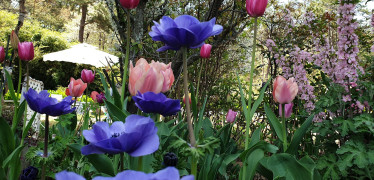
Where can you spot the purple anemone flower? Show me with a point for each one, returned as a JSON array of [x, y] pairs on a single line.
[[64, 175], [183, 31], [169, 173], [137, 137], [44, 104], [151, 102]]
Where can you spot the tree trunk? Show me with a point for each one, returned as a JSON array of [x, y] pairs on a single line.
[[83, 22], [22, 15]]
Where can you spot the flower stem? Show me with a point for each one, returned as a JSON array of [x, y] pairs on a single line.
[[248, 120], [194, 166], [188, 110], [127, 56], [19, 77], [140, 163], [45, 152], [284, 128], [27, 88], [121, 160]]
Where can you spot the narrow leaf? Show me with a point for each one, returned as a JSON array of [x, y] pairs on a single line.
[[299, 134], [274, 122]]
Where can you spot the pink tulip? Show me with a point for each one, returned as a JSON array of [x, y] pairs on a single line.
[[287, 110], [205, 51], [26, 51], [129, 4], [256, 8], [284, 91], [2, 54], [87, 76], [76, 87], [156, 77], [67, 92], [93, 95], [231, 115]]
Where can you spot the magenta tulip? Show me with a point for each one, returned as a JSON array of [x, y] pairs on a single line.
[[287, 110], [284, 91], [87, 76], [256, 8], [26, 51], [231, 115], [205, 51], [129, 4], [2, 54]]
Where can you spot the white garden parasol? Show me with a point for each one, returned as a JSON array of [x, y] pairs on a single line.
[[82, 54]]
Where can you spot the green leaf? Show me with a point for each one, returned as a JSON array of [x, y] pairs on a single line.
[[259, 100], [363, 123], [329, 164], [73, 120], [274, 122], [193, 102], [242, 99], [252, 161], [18, 116], [345, 125], [299, 134], [115, 113], [76, 148], [13, 156], [199, 123], [11, 88], [106, 89], [6, 137], [285, 165], [228, 159], [354, 153], [24, 132], [102, 163], [116, 96]]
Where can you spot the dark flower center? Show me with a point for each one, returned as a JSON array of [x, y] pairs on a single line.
[[170, 159], [114, 135]]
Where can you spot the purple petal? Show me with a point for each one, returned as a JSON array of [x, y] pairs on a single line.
[[185, 21], [167, 47], [91, 149], [110, 146], [189, 177], [169, 173], [148, 145], [90, 136], [217, 29], [117, 128], [64, 175], [101, 130]]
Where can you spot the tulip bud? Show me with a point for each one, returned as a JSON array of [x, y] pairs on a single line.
[[205, 51], [256, 8], [26, 51], [287, 110], [2, 54], [14, 40], [284, 91], [189, 97], [231, 115], [29, 173], [129, 4], [67, 92], [170, 159], [100, 98], [87, 76], [93, 95]]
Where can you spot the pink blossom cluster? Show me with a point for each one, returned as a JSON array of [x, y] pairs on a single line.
[[372, 25], [289, 20], [347, 46]]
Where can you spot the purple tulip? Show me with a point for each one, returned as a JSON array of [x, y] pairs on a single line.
[[137, 137], [287, 111], [26, 51], [44, 104], [64, 175], [151, 102], [231, 115], [100, 98], [183, 31], [256, 8], [2, 54], [205, 51], [87, 76]]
